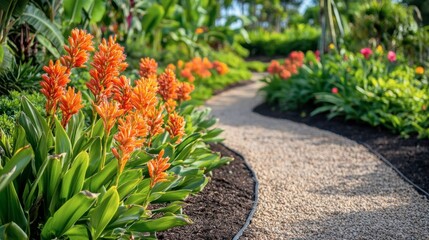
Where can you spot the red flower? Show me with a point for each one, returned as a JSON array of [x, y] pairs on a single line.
[[167, 85], [80, 43], [334, 90], [274, 67], [53, 85], [70, 104], [391, 56], [108, 63], [366, 52]]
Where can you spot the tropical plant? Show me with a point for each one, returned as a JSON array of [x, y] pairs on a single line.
[[68, 175]]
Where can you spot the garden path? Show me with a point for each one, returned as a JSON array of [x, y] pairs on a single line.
[[315, 184]]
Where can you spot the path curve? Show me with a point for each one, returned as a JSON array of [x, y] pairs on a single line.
[[315, 184]]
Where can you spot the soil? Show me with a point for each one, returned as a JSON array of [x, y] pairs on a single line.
[[221, 209], [409, 155]]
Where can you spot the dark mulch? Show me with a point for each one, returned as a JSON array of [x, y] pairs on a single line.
[[221, 209], [410, 156]]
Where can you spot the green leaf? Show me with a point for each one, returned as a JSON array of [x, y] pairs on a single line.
[[101, 178], [161, 224], [170, 196], [36, 18], [62, 143], [73, 9], [68, 214], [74, 178], [104, 212], [12, 231], [15, 166], [48, 45], [78, 232], [11, 209], [152, 17]]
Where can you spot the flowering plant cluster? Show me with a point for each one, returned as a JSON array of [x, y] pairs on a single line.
[[371, 86], [72, 175], [200, 68], [291, 65]]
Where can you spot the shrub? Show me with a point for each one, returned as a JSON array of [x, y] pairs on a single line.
[[370, 87], [125, 172]]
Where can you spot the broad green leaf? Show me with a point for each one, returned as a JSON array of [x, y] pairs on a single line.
[[152, 17], [15, 166], [73, 9], [74, 178], [78, 232], [102, 178], [170, 196], [104, 212], [161, 224], [62, 143], [68, 214], [36, 18], [11, 209], [12, 231]]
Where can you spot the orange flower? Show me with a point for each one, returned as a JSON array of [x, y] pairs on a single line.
[[285, 74], [199, 30], [109, 112], [131, 135], [156, 168], [70, 104], [80, 43], [144, 97], [186, 73], [108, 62], [148, 67], [53, 85], [170, 105], [420, 70], [274, 67], [167, 85], [184, 90], [122, 92], [171, 67], [180, 64], [154, 120], [176, 126], [220, 67]]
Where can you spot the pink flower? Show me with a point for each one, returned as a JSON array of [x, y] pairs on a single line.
[[391, 56], [317, 54], [334, 90], [366, 52]]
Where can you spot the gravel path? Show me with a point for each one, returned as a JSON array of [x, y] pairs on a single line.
[[315, 184]]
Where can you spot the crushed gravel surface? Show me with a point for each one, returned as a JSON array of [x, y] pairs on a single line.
[[315, 184]]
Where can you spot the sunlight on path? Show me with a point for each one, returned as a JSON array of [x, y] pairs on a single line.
[[315, 184]]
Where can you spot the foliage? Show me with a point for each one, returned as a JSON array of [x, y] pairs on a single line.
[[19, 77], [10, 107], [375, 89], [301, 37], [64, 177]]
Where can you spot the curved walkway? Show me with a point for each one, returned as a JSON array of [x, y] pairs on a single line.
[[315, 184]]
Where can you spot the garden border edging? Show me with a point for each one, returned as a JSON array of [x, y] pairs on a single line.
[[255, 194]]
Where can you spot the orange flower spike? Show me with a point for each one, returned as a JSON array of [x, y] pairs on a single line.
[[157, 167], [155, 120], [180, 64], [122, 92], [186, 73], [148, 67], [80, 43], [167, 85], [108, 63], [70, 104], [184, 90], [53, 85], [144, 97], [176, 126], [170, 105], [109, 112], [220, 67], [172, 67], [131, 135]]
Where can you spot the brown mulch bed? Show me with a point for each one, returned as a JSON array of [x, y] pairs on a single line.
[[221, 209], [408, 155]]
